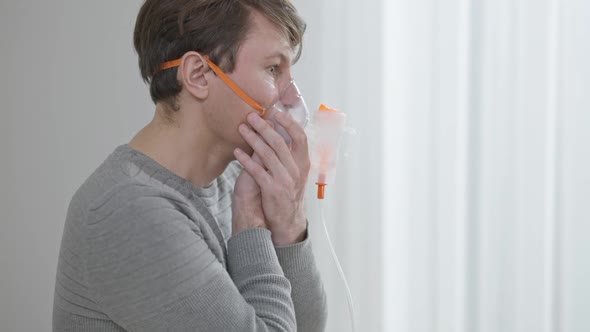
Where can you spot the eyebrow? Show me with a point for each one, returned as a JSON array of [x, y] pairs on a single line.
[[281, 55]]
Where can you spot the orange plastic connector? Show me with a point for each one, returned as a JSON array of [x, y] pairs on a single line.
[[325, 108], [321, 189]]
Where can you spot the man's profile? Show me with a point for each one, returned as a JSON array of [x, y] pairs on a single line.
[[198, 224]]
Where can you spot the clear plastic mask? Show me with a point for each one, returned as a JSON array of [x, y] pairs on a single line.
[[290, 101]]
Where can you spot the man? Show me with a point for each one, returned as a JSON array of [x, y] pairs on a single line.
[[170, 233]]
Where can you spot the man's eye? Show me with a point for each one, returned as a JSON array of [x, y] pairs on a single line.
[[273, 69]]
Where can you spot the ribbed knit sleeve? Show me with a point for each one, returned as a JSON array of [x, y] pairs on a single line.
[[308, 294]]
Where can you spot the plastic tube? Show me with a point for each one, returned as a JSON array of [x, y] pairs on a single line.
[[340, 271]]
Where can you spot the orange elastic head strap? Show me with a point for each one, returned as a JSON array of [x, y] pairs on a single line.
[[231, 84]]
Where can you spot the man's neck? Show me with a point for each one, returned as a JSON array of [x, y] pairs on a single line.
[[187, 152]]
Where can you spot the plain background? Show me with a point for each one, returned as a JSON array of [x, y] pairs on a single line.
[[476, 218]]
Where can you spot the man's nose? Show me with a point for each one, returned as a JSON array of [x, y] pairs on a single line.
[[291, 94]]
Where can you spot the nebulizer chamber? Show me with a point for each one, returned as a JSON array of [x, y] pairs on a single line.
[[326, 132]]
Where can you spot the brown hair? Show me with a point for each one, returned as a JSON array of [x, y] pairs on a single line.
[[166, 29]]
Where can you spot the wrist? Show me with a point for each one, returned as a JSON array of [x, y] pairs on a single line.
[[242, 223], [290, 236]]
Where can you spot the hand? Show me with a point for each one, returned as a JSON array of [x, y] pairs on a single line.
[[247, 203], [281, 177]]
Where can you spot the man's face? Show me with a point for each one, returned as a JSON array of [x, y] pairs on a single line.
[[262, 70]]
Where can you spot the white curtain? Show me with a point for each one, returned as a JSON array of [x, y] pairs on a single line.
[[464, 202]]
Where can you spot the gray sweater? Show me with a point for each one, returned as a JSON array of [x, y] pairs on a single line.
[[145, 250]]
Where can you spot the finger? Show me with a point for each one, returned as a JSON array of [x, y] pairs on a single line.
[[274, 140], [257, 159], [287, 159], [263, 150], [256, 170], [299, 146]]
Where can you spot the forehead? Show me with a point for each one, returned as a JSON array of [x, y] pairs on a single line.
[[265, 39]]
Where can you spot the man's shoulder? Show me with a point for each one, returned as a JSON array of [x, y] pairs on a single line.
[[118, 181]]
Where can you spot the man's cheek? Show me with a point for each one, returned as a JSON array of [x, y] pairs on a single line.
[[269, 92]]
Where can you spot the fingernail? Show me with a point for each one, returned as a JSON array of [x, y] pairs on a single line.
[[254, 118], [244, 128]]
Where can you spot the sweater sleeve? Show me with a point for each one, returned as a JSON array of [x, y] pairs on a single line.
[[309, 296], [151, 269]]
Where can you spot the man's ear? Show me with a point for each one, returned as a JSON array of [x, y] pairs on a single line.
[[191, 74]]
